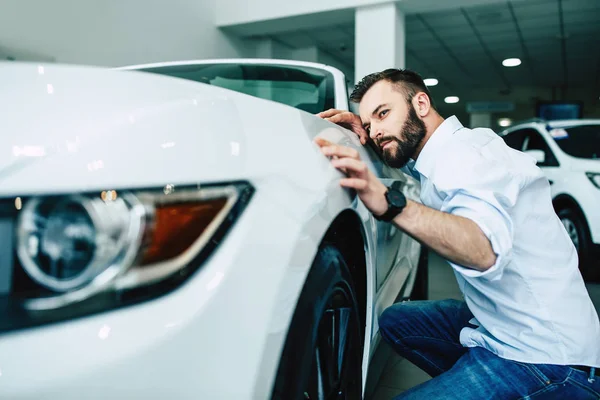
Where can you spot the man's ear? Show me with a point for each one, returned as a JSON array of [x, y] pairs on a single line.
[[422, 104]]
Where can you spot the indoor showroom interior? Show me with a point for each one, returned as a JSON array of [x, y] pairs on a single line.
[[172, 230]]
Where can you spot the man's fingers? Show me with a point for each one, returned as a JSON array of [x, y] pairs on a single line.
[[354, 183], [349, 164], [343, 118], [340, 151], [322, 142], [364, 137], [355, 125], [329, 113]]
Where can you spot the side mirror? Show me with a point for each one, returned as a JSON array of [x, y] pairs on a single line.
[[539, 155]]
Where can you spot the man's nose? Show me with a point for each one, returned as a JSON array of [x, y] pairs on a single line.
[[376, 133]]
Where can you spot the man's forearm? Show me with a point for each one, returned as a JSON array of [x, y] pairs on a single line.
[[456, 238]]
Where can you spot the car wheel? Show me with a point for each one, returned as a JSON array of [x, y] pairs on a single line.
[[322, 356], [421, 287], [577, 229]]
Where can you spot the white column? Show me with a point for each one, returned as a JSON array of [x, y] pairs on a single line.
[[480, 120], [379, 39], [264, 48], [268, 48], [310, 54]]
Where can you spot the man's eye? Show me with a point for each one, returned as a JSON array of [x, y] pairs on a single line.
[[383, 113]]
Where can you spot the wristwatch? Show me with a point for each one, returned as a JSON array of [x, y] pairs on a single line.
[[396, 203]]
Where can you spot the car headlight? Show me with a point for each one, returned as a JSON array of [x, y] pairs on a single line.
[[69, 242], [595, 178], [76, 250]]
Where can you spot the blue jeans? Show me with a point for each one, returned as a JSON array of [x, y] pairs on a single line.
[[427, 334]]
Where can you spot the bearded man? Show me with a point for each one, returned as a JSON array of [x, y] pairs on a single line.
[[527, 327]]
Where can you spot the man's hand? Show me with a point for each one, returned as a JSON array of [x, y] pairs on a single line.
[[348, 120], [368, 187]]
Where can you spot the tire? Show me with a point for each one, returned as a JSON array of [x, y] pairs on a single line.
[[577, 229], [421, 287], [327, 295]]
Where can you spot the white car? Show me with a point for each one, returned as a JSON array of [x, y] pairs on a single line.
[[166, 238], [568, 151]]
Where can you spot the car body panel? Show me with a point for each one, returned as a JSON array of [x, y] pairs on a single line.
[[86, 129]]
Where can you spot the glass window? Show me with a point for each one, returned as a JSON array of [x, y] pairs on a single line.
[[515, 139], [306, 88], [535, 141], [581, 141]]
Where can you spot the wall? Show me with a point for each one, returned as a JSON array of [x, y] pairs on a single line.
[[114, 32]]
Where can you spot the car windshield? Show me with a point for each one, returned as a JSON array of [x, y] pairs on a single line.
[[582, 141], [306, 88]]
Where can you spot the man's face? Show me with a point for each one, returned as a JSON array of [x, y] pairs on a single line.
[[391, 122]]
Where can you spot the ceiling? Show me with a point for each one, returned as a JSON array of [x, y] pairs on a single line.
[[558, 42]]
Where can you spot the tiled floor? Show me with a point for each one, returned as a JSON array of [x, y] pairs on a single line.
[[399, 374]]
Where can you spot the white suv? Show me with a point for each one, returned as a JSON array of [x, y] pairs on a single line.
[[568, 151]]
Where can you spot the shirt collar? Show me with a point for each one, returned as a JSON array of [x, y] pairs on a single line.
[[426, 160]]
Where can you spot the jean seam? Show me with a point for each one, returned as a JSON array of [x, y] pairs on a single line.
[[536, 372], [545, 380], [441, 370], [539, 391], [556, 384], [547, 387], [458, 346], [578, 384]]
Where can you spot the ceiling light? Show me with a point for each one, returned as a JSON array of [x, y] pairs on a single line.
[[451, 99], [511, 62], [504, 122], [430, 82]]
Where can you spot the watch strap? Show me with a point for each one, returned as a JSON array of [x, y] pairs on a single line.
[[392, 210]]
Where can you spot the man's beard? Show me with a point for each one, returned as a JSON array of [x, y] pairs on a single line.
[[413, 132]]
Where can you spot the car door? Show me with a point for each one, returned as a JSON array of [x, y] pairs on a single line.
[[395, 249]]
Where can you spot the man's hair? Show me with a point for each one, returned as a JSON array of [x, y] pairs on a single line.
[[407, 81]]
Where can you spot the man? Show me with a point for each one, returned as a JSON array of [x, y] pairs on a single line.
[[527, 326]]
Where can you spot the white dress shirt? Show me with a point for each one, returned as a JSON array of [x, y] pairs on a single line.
[[531, 305]]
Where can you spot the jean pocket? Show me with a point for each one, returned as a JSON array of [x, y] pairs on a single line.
[[536, 372]]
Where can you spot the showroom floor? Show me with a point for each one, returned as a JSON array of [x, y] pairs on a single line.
[[400, 374]]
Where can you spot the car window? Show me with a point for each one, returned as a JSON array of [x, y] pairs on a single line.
[[535, 141], [306, 88], [582, 141], [515, 139]]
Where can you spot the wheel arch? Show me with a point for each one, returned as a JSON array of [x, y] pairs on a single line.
[[347, 234], [564, 200]]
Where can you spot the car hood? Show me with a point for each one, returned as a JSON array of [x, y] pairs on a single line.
[[80, 128]]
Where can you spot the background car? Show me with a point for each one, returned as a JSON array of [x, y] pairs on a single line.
[[165, 237], [568, 151]]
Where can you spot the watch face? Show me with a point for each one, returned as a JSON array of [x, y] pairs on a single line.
[[396, 198]]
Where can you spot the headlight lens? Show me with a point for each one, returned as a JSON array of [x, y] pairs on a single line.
[[65, 243], [595, 178], [76, 247]]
